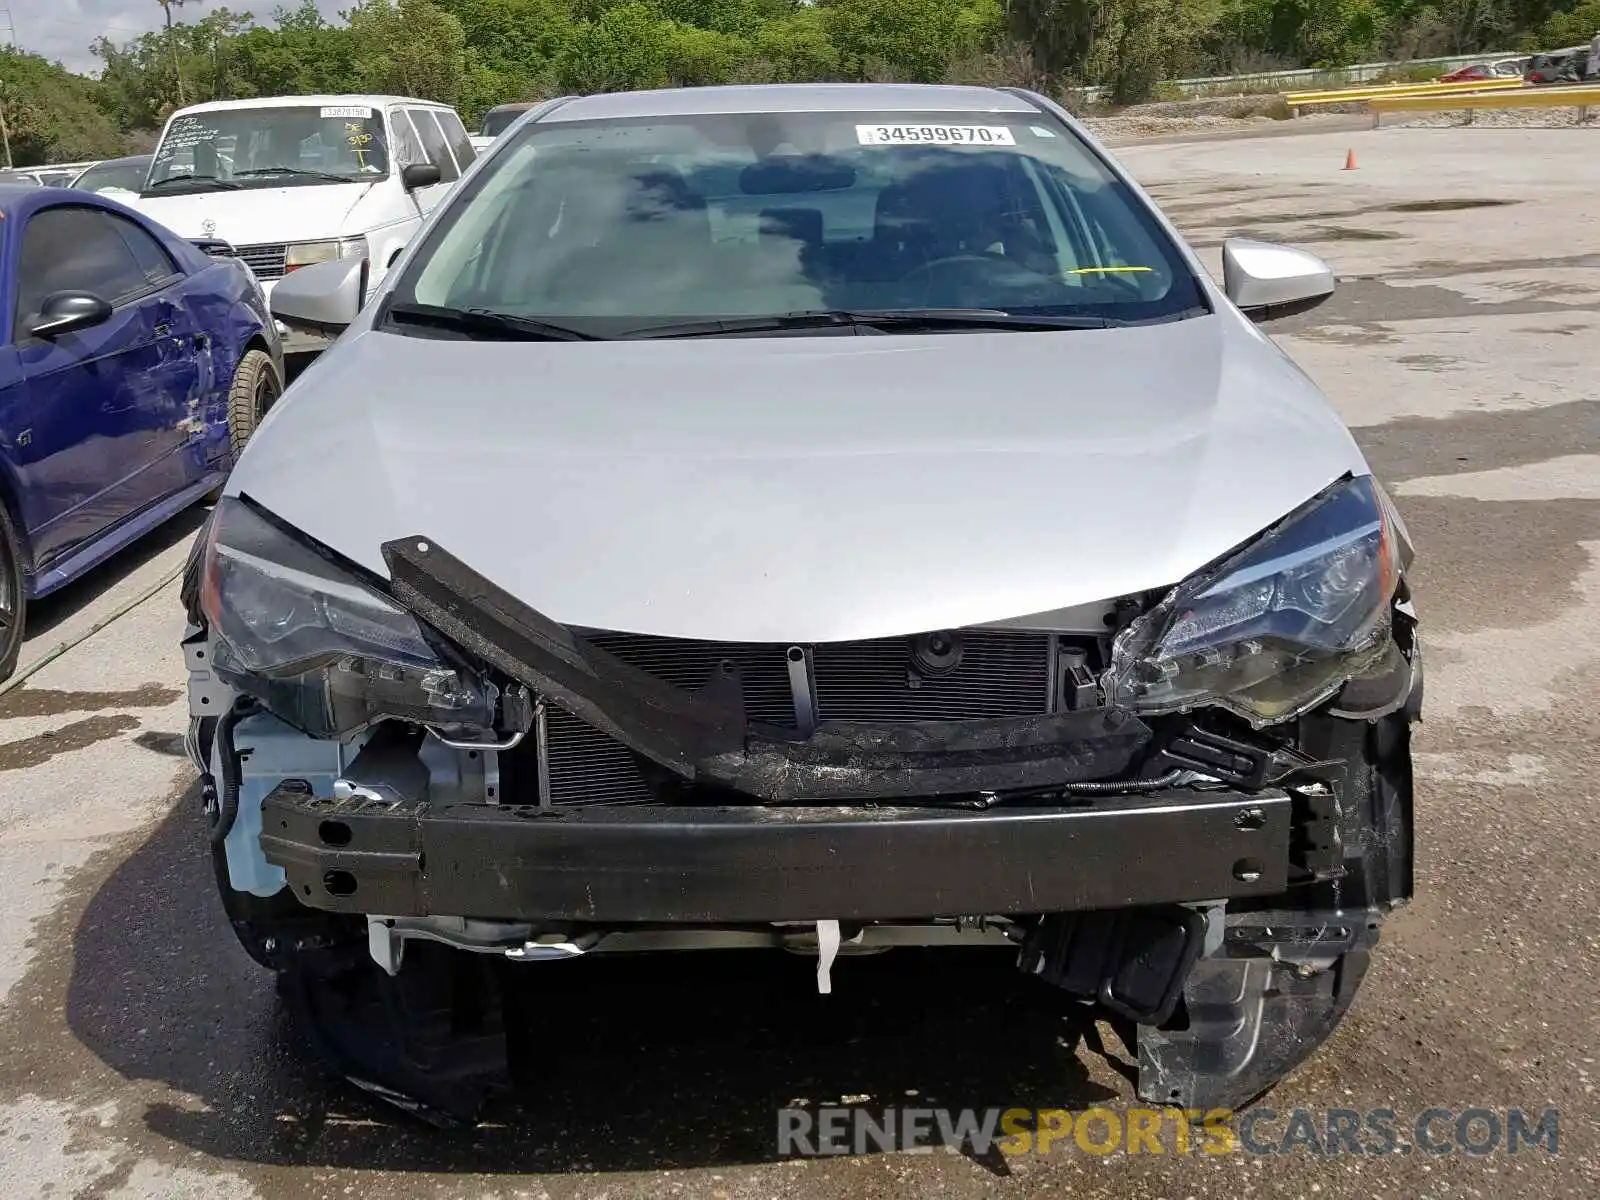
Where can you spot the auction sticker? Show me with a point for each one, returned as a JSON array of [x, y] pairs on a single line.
[[349, 110], [934, 135]]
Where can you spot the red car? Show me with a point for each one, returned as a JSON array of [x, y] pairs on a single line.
[[1469, 72]]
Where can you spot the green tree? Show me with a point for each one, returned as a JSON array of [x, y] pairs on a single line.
[[907, 39], [1570, 28], [518, 41], [408, 48], [1140, 42], [794, 49], [302, 54], [52, 115], [701, 57], [139, 81], [628, 47], [514, 48], [1060, 33]]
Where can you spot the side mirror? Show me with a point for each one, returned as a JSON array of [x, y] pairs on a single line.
[[1267, 280], [419, 175], [68, 312], [324, 296]]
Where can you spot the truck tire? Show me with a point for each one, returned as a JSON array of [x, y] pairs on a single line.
[[13, 594], [256, 387]]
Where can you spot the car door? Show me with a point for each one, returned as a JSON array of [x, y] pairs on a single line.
[[93, 411], [408, 149], [186, 376], [455, 133], [438, 152]]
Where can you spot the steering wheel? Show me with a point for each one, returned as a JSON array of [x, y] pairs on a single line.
[[1019, 284], [924, 276]]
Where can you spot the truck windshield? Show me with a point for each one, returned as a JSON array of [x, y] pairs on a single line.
[[749, 215], [271, 146]]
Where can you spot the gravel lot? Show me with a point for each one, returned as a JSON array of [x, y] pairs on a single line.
[[141, 1055], [1508, 118]]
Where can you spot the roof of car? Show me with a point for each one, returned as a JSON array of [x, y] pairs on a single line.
[[791, 97], [21, 199], [304, 101]]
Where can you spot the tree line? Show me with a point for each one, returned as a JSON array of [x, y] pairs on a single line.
[[477, 53]]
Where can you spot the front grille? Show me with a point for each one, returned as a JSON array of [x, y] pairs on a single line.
[[1001, 673], [266, 260], [763, 670], [587, 767]]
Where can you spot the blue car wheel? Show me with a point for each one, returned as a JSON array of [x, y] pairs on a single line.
[[13, 596], [256, 387]]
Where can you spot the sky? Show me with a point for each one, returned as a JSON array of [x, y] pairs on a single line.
[[61, 30]]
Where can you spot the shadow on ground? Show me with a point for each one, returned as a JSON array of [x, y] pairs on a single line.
[[624, 1064]]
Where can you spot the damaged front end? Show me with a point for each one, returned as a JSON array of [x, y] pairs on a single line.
[[1190, 810]]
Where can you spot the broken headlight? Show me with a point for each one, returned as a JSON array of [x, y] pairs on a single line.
[[1274, 630], [320, 648]]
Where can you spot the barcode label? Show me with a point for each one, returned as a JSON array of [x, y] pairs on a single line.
[[934, 135]]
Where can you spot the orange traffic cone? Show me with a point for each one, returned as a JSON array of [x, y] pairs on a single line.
[[1350, 161]]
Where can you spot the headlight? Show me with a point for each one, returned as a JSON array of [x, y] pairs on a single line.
[[1276, 629], [318, 646], [303, 254]]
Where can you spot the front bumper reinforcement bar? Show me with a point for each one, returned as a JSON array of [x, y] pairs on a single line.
[[710, 865]]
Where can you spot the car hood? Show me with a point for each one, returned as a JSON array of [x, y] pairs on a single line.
[[804, 489], [253, 216]]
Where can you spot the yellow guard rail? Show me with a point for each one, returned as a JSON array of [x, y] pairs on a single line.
[[1581, 98]]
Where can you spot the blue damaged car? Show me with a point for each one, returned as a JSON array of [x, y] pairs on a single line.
[[133, 367]]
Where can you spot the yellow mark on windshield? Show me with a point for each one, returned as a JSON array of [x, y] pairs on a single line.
[[1112, 271]]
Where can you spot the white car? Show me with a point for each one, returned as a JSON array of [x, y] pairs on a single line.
[[119, 178], [54, 175], [287, 181]]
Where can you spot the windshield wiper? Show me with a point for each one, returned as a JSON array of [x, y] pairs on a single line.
[[160, 183], [883, 320], [976, 318], [486, 323], [329, 176]]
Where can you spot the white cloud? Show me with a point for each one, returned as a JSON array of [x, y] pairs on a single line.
[[62, 30]]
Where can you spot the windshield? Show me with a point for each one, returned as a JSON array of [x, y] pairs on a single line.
[[497, 120], [269, 147], [612, 225], [125, 173]]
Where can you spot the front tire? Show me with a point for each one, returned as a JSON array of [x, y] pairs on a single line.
[[13, 594], [256, 387], [430, 1040]]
